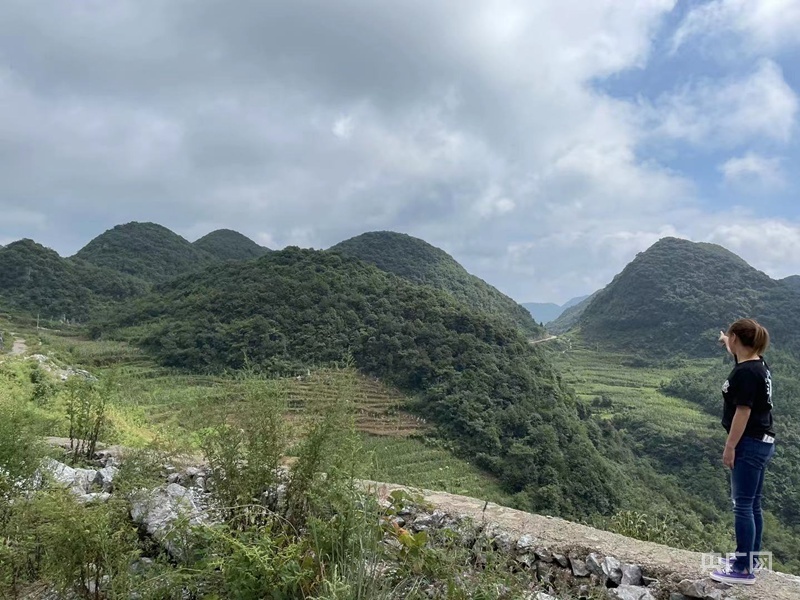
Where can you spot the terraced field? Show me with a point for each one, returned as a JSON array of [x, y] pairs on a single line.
[[613, 384], [416, 463], [378, 408]]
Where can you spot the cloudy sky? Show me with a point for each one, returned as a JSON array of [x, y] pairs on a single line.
[[543, 143]]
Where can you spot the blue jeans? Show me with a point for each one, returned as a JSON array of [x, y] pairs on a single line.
[[747, 481]]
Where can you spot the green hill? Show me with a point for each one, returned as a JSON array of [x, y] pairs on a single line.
[[37, 280], [226, 244], [145, 250], [474, 374], [420, 262], [676, 296], [793, 282]]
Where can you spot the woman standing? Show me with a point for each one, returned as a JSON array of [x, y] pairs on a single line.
[[747, 417]]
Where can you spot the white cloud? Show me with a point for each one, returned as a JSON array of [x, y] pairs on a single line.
[[768, 244], [494, 203], [728, 113], [477, 126], [760, 26], [752, 168], [343, 127]]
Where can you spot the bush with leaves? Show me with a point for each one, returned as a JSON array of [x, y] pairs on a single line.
[[86, 403]]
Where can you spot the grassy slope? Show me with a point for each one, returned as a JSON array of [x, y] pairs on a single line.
[[154, 404]]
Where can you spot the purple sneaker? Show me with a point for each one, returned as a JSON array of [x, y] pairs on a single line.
[[733, 577]]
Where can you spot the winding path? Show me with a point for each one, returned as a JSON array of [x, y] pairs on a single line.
[[19, 347]]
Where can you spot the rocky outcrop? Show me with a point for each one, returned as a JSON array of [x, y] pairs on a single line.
[[88, 485], [160, 512], [599, 560]]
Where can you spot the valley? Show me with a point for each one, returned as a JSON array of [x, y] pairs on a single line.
[[446, 383]]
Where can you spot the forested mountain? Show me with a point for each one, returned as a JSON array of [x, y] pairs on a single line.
[[145, 250], [793, 282], [420, 262], [473, 373], [37, 280], [676, 296], [226, 244], [545, 312]]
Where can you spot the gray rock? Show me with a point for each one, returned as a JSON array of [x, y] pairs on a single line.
[[561, 560], [94, 498], [85, 480], [191, 472], [107, 475], [678, 596], [61, 474], [631, 575], [426, 521], [695, 589], [595, 564], [578, 567], [648, 581], [716, 594], [504, 542], [158, 511], [80, 481], [630, 592], [612, 569], [525, 544], [543, 554], [543, 596], [200, 483], [110, 456]]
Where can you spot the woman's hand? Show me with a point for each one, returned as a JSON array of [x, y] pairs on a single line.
[[729, 456], [725, 341]]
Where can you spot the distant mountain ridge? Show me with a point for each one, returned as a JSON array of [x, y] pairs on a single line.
[[145, 250], [117, 265], [793, 281], [418, 261], [677, 295], [226, 244], [571, 316], [545, 312]]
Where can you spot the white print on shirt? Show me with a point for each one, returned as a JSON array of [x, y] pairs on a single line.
[[769, 388], [725, 386]]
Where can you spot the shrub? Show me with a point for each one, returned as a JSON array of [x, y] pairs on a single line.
[[86, 402]]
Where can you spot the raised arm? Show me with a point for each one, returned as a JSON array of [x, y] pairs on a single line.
[[723, 339]]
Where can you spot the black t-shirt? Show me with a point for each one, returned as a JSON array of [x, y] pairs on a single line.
[[749, 384]]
